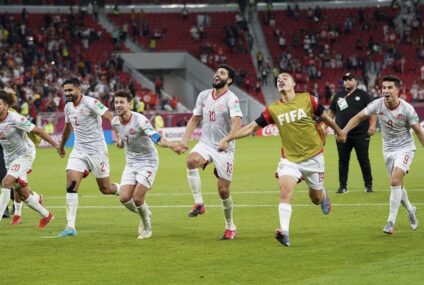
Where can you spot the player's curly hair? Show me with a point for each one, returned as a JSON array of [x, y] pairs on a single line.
[[8, 96]]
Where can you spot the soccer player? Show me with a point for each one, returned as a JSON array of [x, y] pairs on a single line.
[[19, 153], [142, 161], [396, 118], [220, 110], [90, 154], [302, 151]]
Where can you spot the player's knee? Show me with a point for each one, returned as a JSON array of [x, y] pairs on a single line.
[[395, 181], [138, 201], [71, 188], [192, 163]]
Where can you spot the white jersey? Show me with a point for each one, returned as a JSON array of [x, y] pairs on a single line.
[[13, 137], [395, 124], [217, 114], [86, 120], [135, 134]]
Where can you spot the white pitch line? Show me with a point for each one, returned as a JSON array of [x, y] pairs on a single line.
[[236, 206], [234, 193]]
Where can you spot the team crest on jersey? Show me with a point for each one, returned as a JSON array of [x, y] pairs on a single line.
[[400, 117], [132, 131], [221, 107]]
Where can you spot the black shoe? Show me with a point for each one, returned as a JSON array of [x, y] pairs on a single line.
[[368, 189], [6, 213], [342, 190]]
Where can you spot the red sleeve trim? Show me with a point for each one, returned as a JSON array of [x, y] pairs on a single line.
[[267, 116], [314, 103]]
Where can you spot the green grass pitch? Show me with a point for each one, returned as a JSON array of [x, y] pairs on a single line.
[[346, 247]]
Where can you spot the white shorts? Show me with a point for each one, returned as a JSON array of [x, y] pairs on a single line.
[[144, 174], [224, 161], [310, 170], [20, 168], [401, 159], [96, 163]]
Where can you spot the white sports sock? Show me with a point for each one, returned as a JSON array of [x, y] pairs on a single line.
[[285, 211], [33, 203], [71, 209], [193, 178], [130, 205], [395, 198], [144, 213], [227, 205], [4, 200], [18, 208], [405, 201]]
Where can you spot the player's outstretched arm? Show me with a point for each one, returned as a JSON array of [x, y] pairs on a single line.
[[355, 121], [42, 134], [373, 125], [341, 136], [419, 132], [237, 134], [190, 127], [65, 136]]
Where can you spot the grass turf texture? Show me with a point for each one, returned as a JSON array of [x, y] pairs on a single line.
[[346, 247]]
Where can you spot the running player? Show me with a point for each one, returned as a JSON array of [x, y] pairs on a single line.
[[19, 154], [220, 110], [396, 118], [142, 161], [90, 154], [302, 151]]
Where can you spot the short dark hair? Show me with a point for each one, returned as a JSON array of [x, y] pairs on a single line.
[[124, 94], [72, 80], [393, 78], [231, 72], [6, 97]]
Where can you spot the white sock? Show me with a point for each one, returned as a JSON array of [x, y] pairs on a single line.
[[193, 178], [118, 188], [405, 201], [130, 205], [33, 203], [144, 213], [285, 211], [4, 200], [71, 209], [395, 198], [227, 205], [18, 208]]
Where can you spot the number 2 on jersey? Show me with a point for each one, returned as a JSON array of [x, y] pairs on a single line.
[[76, 121]]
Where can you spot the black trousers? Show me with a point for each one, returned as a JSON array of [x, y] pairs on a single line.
[[361, 146]]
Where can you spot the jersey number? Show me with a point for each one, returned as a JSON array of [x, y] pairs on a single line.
[[229, 168], [405, 159], [16, 167], [76, 121], [102, 166], [212, 116]]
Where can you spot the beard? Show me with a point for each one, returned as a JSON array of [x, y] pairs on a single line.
[[219, 85]]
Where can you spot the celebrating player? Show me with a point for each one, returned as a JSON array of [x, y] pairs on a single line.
[[302, 151], [396, 117], [19, 154], [142, 161], [220, 110], [84, 114]]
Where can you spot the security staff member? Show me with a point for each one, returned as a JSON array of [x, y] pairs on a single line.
[[345, 105]]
